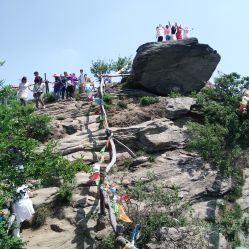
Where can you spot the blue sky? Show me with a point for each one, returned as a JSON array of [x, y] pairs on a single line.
[[57, 35]]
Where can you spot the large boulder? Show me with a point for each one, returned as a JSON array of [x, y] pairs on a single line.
[[183, 66]]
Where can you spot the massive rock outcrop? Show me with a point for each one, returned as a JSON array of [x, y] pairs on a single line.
[[183, 66]]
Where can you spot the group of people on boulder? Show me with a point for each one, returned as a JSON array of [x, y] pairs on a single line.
[[64, 87], [171, 32]]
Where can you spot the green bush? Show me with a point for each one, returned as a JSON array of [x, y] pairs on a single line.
[[108, 242], [8, 241], [221, 137], [230, 221], [21, 129], [49, 98], [160, 208], [122, 104], [38, 127], [64, 194], [175, 94], [40, 217], [108, 98], [148, 100]]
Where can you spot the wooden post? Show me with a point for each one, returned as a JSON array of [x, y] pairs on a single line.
[[101, 223], [102, 198]]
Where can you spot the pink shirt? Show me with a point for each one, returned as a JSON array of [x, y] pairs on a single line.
[[167, 31]]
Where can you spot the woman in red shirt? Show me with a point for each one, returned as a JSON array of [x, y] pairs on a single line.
[[178, 32]]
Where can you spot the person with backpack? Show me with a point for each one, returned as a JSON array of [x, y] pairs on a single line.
[[23, 90]]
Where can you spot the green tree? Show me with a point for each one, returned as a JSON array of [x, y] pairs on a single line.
[[122, 65], [1, 64], [221, 136], [21, 132], [7, 94], [100, 66]]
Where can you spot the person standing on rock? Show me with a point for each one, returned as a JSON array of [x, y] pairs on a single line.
[[63, 86], [57, 86], [82, 81], [65, 80], [71, 86], [38, 90], [186, 31], [159, 33], [178, 32], [23, 90], [167, 32], [173, 32]]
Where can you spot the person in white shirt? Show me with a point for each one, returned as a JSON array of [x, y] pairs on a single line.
[[23, 90], [22, 209], [159, 33], [82, 81], [186, 31]]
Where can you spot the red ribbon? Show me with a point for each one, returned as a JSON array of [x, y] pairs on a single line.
[[95, 176]]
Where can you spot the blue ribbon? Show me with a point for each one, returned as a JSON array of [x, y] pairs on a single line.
[[99, 101], [133, 234]]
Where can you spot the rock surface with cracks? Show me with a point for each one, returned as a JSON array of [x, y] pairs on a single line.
[[183, 66]]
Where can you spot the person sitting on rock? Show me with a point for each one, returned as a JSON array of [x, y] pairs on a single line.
[[159, 33]]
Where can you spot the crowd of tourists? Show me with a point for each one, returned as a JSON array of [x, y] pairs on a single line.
[[171, 32], [64, 87]]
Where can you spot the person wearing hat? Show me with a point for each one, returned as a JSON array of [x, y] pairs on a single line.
[[57, 86]]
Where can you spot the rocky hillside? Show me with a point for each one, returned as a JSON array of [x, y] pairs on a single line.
[[157, 133]]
